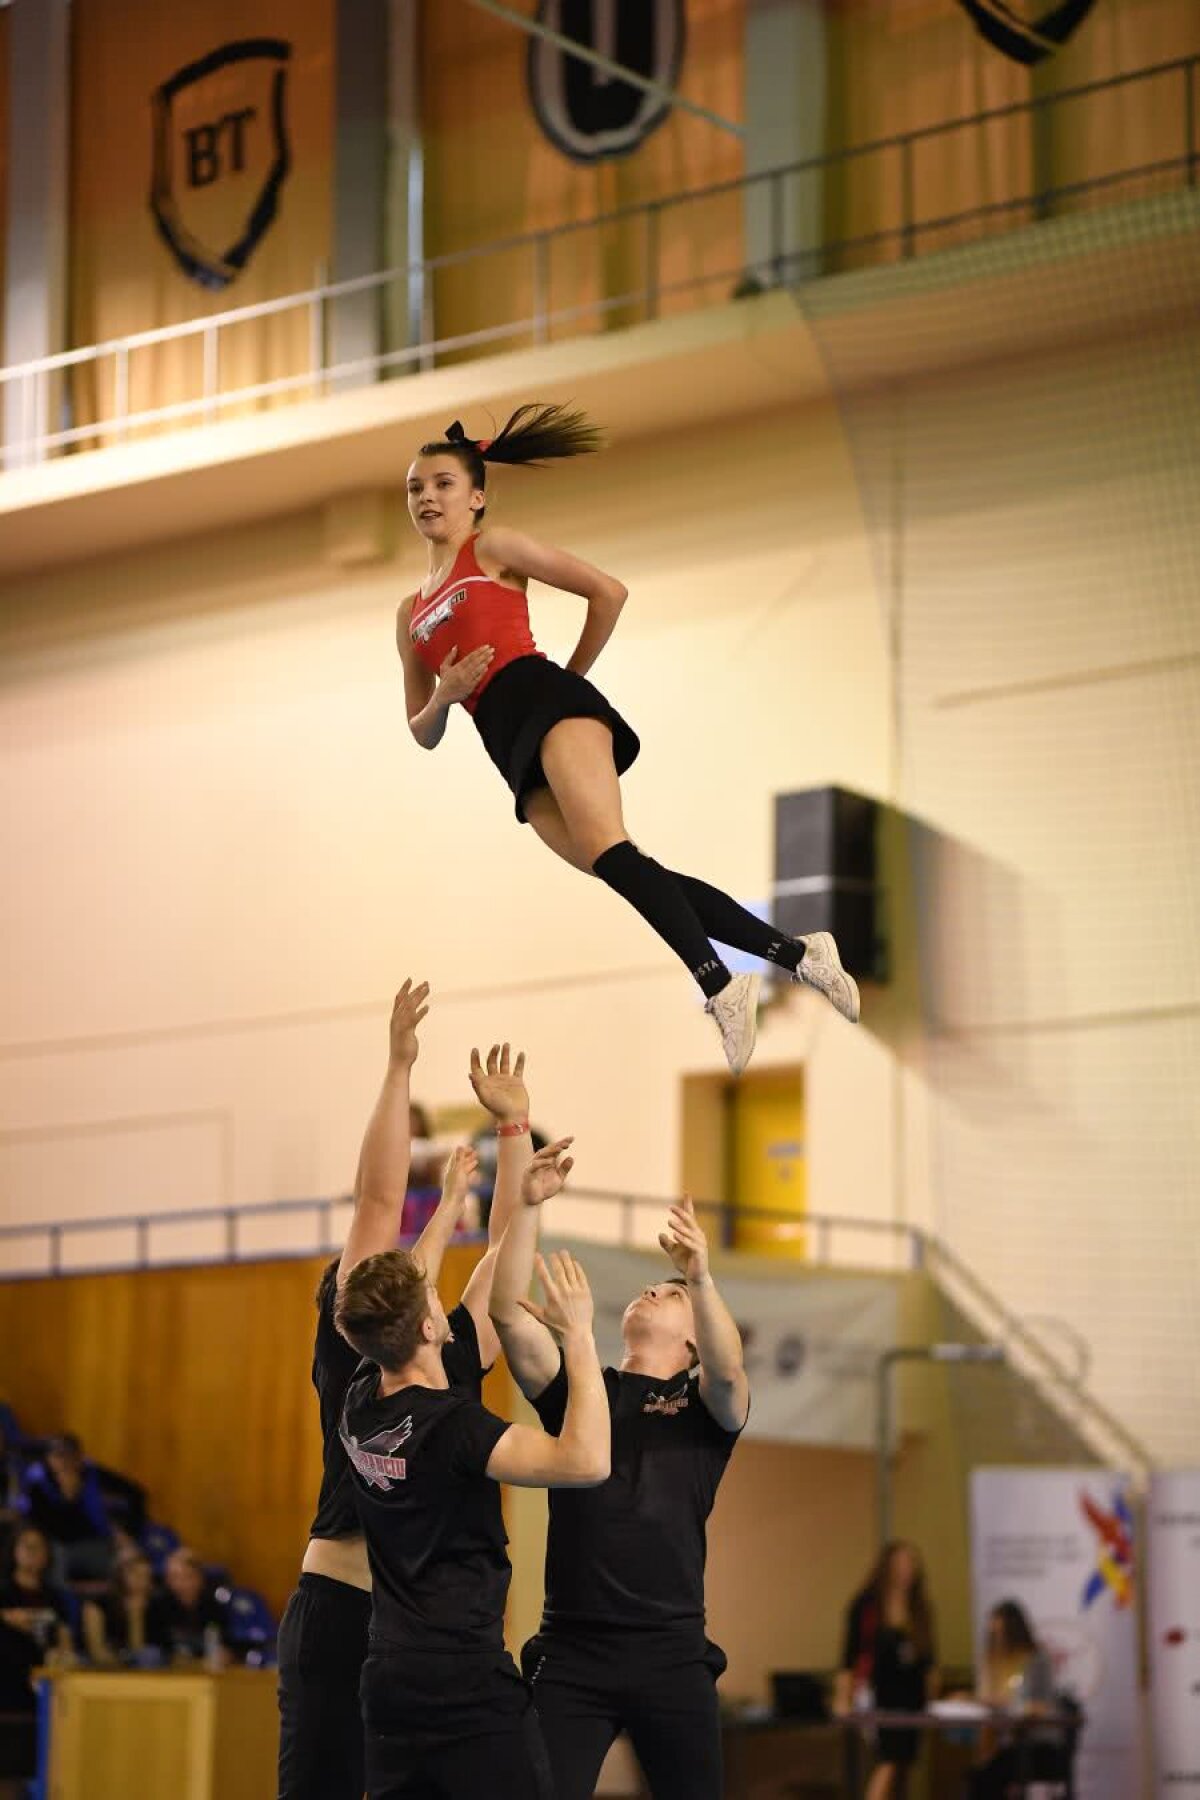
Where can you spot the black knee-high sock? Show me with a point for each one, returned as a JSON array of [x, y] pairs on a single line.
[[723, 919], [660, 898]]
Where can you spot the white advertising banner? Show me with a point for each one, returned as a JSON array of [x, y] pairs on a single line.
[[1061, 1543], [812, 1339], [1173, 1629]]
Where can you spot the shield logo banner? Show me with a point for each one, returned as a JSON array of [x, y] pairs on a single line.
[[1023, 37], [221, 156], [591, 116]]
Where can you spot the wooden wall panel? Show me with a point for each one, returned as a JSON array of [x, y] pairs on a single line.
[[196, 1382]]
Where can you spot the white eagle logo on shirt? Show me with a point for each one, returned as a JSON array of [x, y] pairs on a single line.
[[375, 1457]]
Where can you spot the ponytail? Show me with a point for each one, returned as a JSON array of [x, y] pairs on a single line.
[[533, 434]]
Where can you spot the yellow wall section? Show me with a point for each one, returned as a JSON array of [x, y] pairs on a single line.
[[767, 1125]]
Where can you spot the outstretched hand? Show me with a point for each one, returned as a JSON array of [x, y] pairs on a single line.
[[684, 1240], [568, 1307], [460, 1174], [499, 1087], [458, 680], [408, 1009], [547, 1173]]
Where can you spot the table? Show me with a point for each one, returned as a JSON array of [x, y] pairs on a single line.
[[192, 1734], [1008, 1727]]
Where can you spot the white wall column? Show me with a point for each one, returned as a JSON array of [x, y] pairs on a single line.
[[785, 114], [35, 306]]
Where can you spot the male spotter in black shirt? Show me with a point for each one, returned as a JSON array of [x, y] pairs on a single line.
[[323, 1635], [446, 1712], [622, 1643]]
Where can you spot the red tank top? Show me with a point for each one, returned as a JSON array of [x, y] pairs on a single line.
[[467, 610]]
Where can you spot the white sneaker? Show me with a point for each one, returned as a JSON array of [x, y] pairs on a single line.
[[821, 968], [735, 1009]]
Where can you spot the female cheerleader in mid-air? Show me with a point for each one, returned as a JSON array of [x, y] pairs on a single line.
[[554, 737]]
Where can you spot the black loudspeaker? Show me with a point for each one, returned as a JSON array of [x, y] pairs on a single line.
[[826, 874]]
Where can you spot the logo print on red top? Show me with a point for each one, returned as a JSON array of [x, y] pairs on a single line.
[[437, 615]]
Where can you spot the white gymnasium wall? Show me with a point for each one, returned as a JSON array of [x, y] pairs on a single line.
[[1037, 529], [226, 849], [222, 848]]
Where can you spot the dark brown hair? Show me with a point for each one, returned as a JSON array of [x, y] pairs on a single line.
[[920, 1612], [534, 434], [1014, 1624], [381, 1307]]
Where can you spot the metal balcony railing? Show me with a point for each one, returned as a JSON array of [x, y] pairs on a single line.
[[33, 389], [828, 1241]]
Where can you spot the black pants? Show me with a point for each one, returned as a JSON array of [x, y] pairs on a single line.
[[322, 1648], [451, 1727], [660, 1688]]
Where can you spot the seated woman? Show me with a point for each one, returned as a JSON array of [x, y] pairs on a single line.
[[34, 1619], [1017, 1677], [132, 1625], [197, 1623]]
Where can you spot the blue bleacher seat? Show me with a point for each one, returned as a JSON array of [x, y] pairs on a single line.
[[250, 1619]]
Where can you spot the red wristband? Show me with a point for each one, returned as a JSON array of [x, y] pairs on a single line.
[[514, 1128]]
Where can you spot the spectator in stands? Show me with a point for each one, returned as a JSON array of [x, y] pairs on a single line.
[[133, 1623], [889, 1660], [10, 1476], [1018, 1677], [62, 1496], [424, 1174], [197, 1623], [34, 1618]]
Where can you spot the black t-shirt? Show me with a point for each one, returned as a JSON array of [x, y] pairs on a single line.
[[186, 1625], [631, 1552], [23, 1649], [434, 1529], [335, 1363], [156, 1624]]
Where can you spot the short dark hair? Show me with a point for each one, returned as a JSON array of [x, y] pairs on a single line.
[[381, 1307]]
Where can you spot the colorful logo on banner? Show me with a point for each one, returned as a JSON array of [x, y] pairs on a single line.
[[586, 113], [1026, 40], [221, 156], [1113, 1573]]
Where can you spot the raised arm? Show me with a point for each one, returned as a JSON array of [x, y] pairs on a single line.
[[430, 1247], [514, 553], [525, 1339], [723, 1385], [500, 1087], [580, 1456], [382, 1179]]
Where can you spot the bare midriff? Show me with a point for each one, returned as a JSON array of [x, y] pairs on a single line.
[[339, 1559]]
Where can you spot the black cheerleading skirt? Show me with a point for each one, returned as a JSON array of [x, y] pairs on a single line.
[[525, 701]]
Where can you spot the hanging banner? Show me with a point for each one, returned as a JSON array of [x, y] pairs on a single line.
[[1060, 1542], [201, 168], [586, 113], [1173, 1629], [1025, 37], [812, 1341]]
